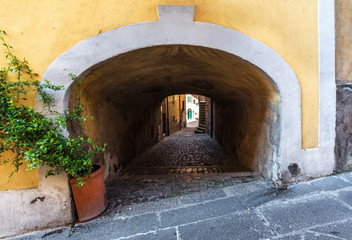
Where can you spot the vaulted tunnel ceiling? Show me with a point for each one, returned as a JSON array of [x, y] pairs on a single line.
[[150, 74]]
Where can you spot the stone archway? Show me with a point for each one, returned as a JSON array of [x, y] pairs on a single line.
[[176, 26], [123, 94]]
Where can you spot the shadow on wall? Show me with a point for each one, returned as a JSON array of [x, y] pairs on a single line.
[[128, 131], [249, 133]]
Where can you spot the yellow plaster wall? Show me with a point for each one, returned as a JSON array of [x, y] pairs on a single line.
[[41, 30], [20, 180]]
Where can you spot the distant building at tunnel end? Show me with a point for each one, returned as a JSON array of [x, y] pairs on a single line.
[[278, 76]]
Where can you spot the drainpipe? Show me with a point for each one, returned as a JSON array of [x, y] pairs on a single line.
[[167, 117], [211, 119], [179, 109]]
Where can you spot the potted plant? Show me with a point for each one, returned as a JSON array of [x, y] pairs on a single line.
[[37, 140]]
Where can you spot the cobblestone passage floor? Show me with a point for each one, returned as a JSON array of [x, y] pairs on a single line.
[[180, 164], [128, 190], [183, 152]]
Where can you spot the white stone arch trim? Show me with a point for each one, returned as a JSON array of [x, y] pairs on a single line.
[[176, 26]]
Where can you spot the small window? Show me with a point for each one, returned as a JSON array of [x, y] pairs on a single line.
[[189, 99]]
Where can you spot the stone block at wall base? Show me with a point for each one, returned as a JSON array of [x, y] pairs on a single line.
[[28, 210], [343, 146]]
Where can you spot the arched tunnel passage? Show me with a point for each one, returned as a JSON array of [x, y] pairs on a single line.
[[124, 95], [187, 146]]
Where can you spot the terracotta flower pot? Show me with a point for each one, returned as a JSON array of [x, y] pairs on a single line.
[[90, 199]]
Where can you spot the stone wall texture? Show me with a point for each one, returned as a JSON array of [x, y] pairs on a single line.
[[343, 147]]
